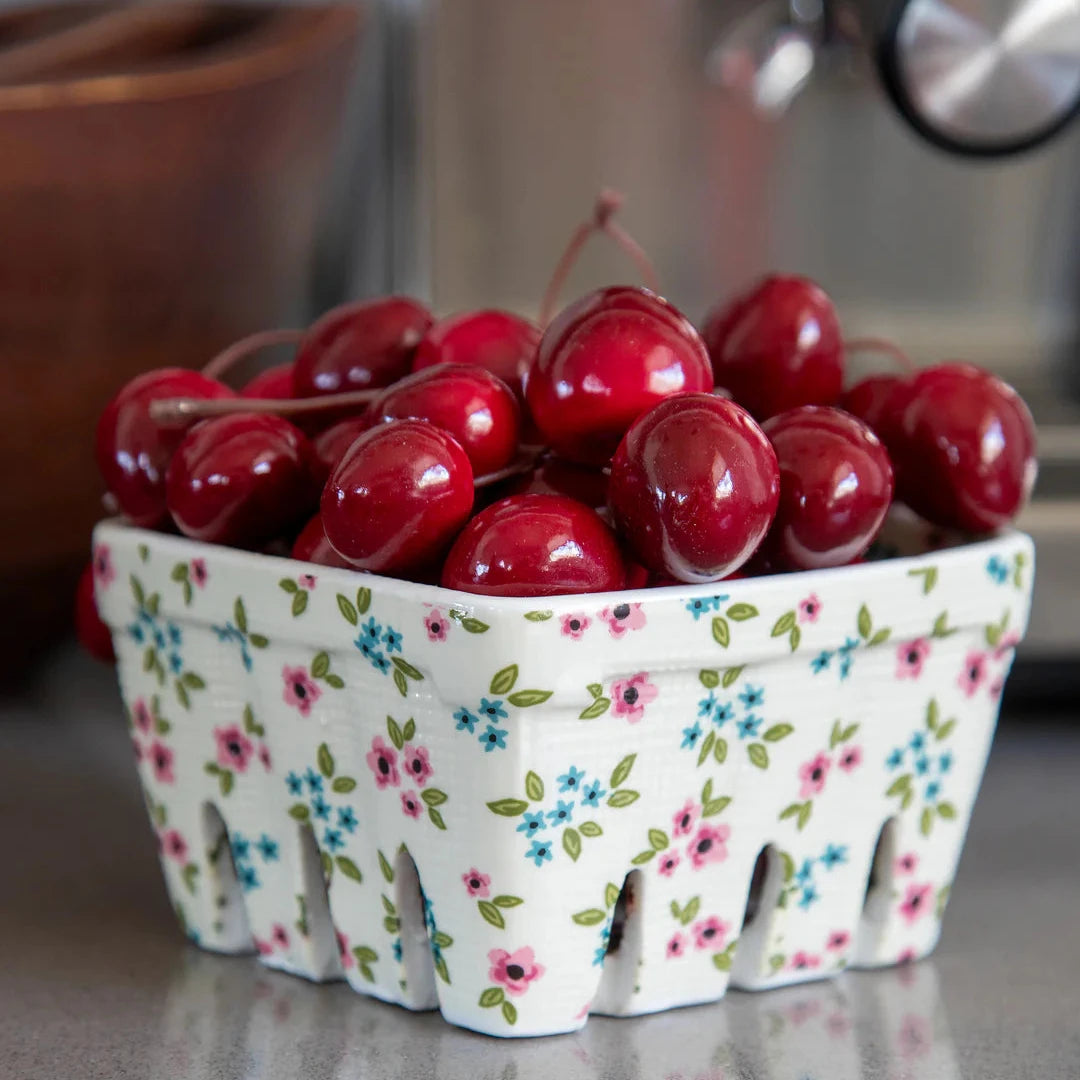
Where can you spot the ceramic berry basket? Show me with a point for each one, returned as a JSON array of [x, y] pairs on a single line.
[[439, 797]]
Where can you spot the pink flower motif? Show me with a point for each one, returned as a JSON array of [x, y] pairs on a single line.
[[995, 688], [809, 609], [583, 1011], [709, 845], [514, 970], [300, 689], [280, 936], [668, 863], [343, 950], [685, 819], [264, 757], [906, 956], [141, 716], [1006, 644], [161, 757], [264, 948], [411, 804], [630, 696], [910, 657], [710, 933], [414, 760], [104, 572], [804, 961], [306, 581], [436, 624], [477, 884], [850, 758], [382, 760], [174, 845], [575, 624], [813, 775], [906, 864], [197, 572], [622, 617], [234, 748], [974, 673], [676, 946], [137, 747], [916, 902], [838, 941]]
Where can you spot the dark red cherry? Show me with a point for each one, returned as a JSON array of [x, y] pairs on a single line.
[[777, 347], [535, 545], [360, 346], [312, 546], [500, 341], [555, 476], [330, 445], [605, 360], [836, 484], [398, 497], [134, 451], [963, 446], [241, 480], [876, 400], [470, 403], [694, 487], [274, 383], [92, 633]]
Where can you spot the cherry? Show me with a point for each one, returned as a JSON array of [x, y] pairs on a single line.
[[330, 445], [836, 484], [241, 480], [777, 346], [134, 450], [535, 545], [398, 497], [93, 634], [359, 346], [312, 546], [554, 476], [874, 400], [500, 341], [694, 487], [275, 382], [467, 401]]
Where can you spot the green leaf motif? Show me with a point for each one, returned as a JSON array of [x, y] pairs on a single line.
[[327, 865], [407, 669], [941, 626], [946, 810], [742, 612], [731, 675], [933, 715], [325, 760], [193, 681], [594, 689], [849, 732], [189, 874], [722, 961], [349, 868], [590, 917], [611, 894], [260, 641], [153, 603], [790, 811], [286, 583], [834, 736], [804, 814], [363, 600], [721, 632], [759, 756], [401, 683], [436, 818], [386, 868], [300, 812], [926, 821], [534, 786], [502, 681], [433, 797], [689, 913], [598, 707], [189, 593], [365, 955], [225, 781], [658, 839], [336, 681], [508, 807], [491, 914], [182, 694], [443, 941], [720, 751], [538, 616], [144, 552], [778, 732], [622, 797], [391, 925], [642, 857], [137, 591], [783, 625], [342, 785], [945, 730], [393, 729], [491, 997], [864, 622], [571, 842], [474, 626], [793, 640], [441, 969], [621, 772], [345, 606], [590, 829], [299, 603], [908, 799], [320, 665], [880, 636], [509, 1011], [899, 785], [715, 806], [506, 901], [709, 678], [706, 747], [409, 730], [240, 615], [524, 699]]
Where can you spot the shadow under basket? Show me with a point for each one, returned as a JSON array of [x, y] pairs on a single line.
[[522, 811]]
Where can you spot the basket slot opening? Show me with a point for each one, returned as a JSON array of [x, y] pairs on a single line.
[[762, 897], [879, 882], [420, 955], [314, 920], [756, 892], [230, 919], [623, 948]]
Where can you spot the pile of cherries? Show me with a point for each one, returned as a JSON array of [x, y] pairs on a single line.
[[617, 447]]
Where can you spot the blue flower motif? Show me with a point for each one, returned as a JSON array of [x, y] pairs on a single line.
[[145, 616], [493, 738], [808, 898], [834, 855], [820, 662], [844, 667], [332, 839], [599, 956], [805, 874], [159, 638], [748, 727], [540, 853], [492, 709], [998, 569], [245, 657], [531, 823], [320, 808], [706, 705], [294, 784], [267, 848], [465, 720], [379, 662], [591, 794], [241, 847], [945, 762], [136, 632], [699, 607], [222, 633], [392, 640], [175, 637], [372, 630], [605, 933], [563, 813], [429, 914], [690, 736], [571, 779], [176, 664], [724, 713], [314, 780], [922, 765], [918, 741], [849, 646], [346, 819], [752, 696], [396, 949], [248, 878], [895, 759], [933, 790]]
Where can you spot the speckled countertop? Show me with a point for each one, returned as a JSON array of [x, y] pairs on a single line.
[[95, 980]]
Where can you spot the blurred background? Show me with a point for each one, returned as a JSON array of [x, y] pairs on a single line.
[[173, 176]]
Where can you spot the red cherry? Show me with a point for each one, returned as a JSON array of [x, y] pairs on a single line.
[[92, 633], [777, 347], [875, 400], [312, 546], [273, 383], [330, 445], [694, 486], [499, 341], [836, 484], [241, 479], [605, 360], [963, 445], [470, 403], [535, 545], [134, 451], [398, 497], [360, 346], [554, 476]]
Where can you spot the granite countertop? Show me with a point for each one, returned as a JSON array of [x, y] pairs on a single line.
[[95, 980]]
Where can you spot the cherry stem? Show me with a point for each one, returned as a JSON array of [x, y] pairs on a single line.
[[173, 410], [523, 463], [607, 203], [262, 339], [881, 345]]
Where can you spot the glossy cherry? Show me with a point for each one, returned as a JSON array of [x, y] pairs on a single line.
[[777, 346], [467, 401], [398, 497], [694, 487], [500, 341], [360, 346], [330, 445], [312, 546], [605, 360], [241, 480], [273, 383], [876, 400], [836, 484], [535, 545], [134, 451], [92, 633], [556, 476]]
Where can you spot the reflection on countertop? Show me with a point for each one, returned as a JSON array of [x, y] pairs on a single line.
[[95, 980]]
